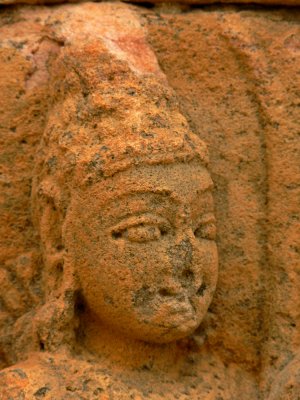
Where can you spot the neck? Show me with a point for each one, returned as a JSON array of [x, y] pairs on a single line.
[[115, 349]]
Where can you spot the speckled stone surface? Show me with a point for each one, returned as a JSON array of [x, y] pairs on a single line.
[[175, 3], [102, 97]]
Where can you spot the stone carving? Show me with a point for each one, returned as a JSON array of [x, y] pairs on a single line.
[[175, 4], [107, 253], [125, 212], [122, 201]]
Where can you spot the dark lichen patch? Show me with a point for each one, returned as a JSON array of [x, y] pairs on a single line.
[[41, 392]]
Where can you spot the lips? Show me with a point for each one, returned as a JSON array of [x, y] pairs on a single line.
[[174, 313], [170, 300], [183, 310], [182, 301], [176, 302]]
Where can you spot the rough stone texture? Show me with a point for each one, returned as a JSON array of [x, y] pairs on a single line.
[[244, 104], [70, 79], [174, 3]]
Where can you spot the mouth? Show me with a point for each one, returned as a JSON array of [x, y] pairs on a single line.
[[181, 319], [181, 301], [176, 302], [175, 310], [171, 300]]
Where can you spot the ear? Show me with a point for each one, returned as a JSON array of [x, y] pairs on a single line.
[[49, 218], [50, 215]]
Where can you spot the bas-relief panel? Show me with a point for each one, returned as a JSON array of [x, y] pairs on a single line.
[[122, 201]]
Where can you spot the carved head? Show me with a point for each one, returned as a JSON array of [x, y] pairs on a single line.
[[124, 208], [142, 245]]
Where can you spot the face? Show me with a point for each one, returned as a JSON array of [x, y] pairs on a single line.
[[143, 247]]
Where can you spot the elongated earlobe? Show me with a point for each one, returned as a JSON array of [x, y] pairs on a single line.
[[47, 214], [49, 218]]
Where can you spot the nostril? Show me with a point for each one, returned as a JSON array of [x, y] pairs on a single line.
[[116, 235], [188, 274], [201, 290], [163, 231], [165, 292]]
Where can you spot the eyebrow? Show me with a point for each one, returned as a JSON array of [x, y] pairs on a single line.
[[111, 207], [161, 192]]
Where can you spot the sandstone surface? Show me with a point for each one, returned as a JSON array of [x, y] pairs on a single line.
[[174, 3], [232, 78], [98, 73]]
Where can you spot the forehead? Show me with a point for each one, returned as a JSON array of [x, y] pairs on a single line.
[[160, 188], [180, 182]]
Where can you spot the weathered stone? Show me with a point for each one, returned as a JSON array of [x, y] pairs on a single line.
[[93, 107], [167, 4], [238, 83]]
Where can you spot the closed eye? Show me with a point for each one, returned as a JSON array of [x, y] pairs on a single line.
[[143, 228], [206, 230]]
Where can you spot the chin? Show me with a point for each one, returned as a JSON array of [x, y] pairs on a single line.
[[170, 332]]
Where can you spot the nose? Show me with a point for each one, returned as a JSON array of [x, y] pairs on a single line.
[[181, 256]]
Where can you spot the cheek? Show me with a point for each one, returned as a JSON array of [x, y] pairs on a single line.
[[206, 261], [141, 262], [119, 268]]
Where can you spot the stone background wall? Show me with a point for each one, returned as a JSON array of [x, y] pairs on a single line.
[[235, 70], [237, 76], [175, 3]]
